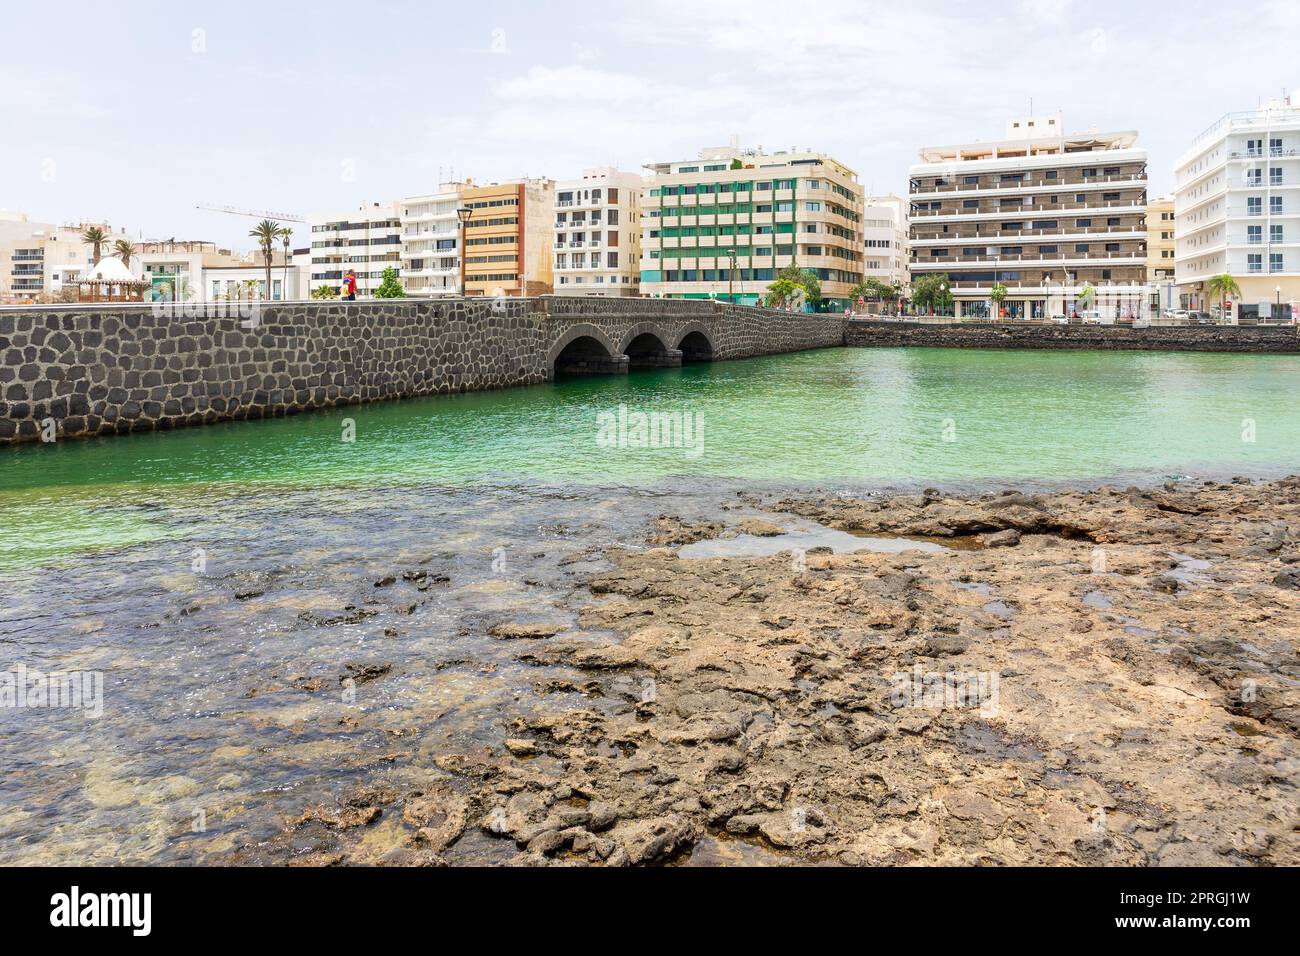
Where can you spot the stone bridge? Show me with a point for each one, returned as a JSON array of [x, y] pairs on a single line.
[[79, 371]]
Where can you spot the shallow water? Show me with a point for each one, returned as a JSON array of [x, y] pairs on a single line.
[[222, 580]]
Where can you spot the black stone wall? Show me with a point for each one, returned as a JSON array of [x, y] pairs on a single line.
[[105, 370], [1191, 338]]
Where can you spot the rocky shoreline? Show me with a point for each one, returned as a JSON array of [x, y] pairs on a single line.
[[1074, 678]]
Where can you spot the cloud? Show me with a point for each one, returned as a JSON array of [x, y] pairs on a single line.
[[1053, 11], [579, 82]]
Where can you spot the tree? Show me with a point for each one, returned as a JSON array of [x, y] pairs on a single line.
[[390, 287], [124, 249], [286, 237], [95, 237], [1086, 295], [804, 279], [932, 291], [1225, 287], [267, 233], [873, 288], [737, 164], [998, 294], [325, 292], [784, 293]]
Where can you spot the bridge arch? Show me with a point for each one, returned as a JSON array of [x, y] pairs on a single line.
[[584, 349], [695, 344], [646, 346]]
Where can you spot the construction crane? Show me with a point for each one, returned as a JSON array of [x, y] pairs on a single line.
[[254, 213]]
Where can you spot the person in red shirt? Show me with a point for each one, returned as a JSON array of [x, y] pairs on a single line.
[[350, 285]]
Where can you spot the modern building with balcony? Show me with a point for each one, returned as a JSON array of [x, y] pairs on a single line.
[[431, 242], [366, 240], [598, 234], [1161, 250], [885, 238], [1237, 211], [721, 226], [508, 238], [1044, 213]]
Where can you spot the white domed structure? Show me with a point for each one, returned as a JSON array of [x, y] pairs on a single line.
[[110, 269], [109, 280]]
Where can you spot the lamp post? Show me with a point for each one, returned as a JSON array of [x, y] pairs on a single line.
[[463, 214], [1277, 312], [731, 276]]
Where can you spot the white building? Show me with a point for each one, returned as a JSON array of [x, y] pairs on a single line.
[[884, 231], [431, 253], [37, 259], [1237, 211], [598, 234], [366, 240], [1056, 219]]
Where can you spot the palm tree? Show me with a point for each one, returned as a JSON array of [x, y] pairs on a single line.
[[1224, 286], [95, 237], [266, 233], [286, 237], [124, 249]]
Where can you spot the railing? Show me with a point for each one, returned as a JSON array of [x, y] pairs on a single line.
[[939, 263], [921, 189], [956, 239], [1009, 212]]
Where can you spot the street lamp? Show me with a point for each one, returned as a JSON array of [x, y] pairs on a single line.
[[463, 214], [731, 276], [1277, 313]]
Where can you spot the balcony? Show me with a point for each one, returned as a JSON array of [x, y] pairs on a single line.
[[1060, 233], [922, 188], [1011, 212]]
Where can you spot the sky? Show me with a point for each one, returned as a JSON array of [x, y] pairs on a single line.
[[135, 113]]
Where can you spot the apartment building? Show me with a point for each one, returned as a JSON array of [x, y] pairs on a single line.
[[508, 238], [1237, 211], [431, 254], [885, 238], [721, 226], [1042, 212], [37, 259], [1160, 253], [598, 234], [366, 240]]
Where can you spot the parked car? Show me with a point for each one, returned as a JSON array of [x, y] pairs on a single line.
[[1096, 318], [1060, 320]]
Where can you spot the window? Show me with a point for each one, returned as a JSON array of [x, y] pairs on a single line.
[[1081, 247], [1275, 205], [970, 204], [1050, 174], [1112, 170], [1083, 223], [1089, 173], [1254, 206], [1112, 247], [1254, 262], [1012, 226], [1275, 147], [1045, 224], [1275, 232], [1047, 250], [1275, 176], [1254, 235], [1254, 147], [1254, 177], [971, 180], [1105, 273], [1275, 262], [1113, 221]]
